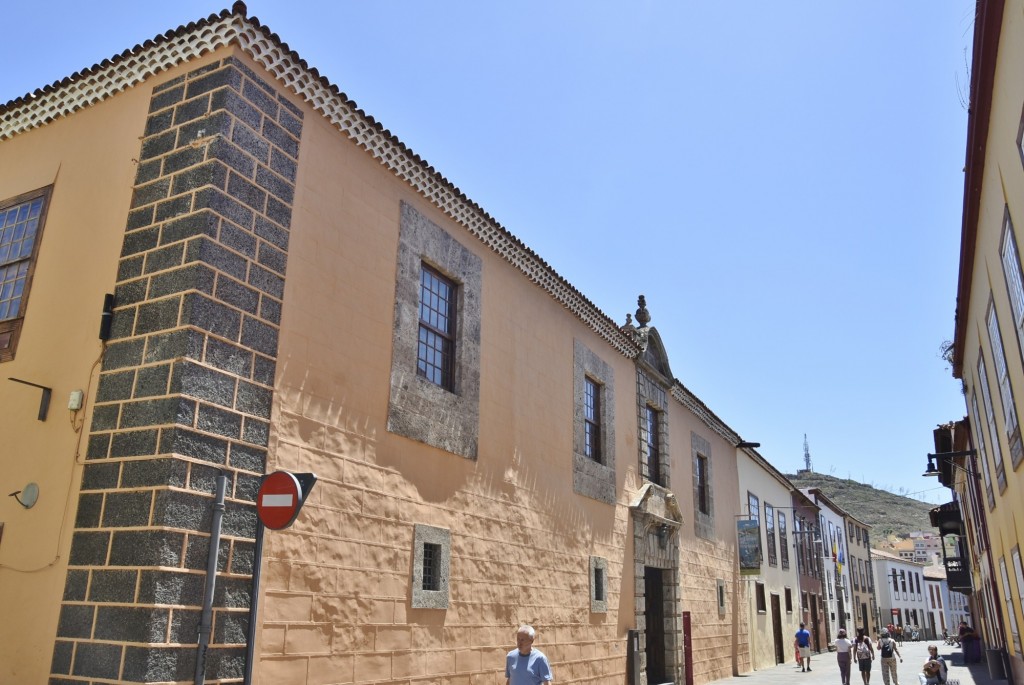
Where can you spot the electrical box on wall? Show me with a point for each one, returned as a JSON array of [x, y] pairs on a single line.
[[75, 400]]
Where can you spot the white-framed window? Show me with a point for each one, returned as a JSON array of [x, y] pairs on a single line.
[[981, 442], [769, 530], [1005, 387], [1011, 614], [1010, 258], [990, 420], [1019, 573]]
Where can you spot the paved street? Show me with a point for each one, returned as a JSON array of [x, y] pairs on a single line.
[[826, 672]]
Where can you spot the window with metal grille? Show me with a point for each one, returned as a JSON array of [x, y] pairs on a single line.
[[592, 419], [436, 349], [21, 221], [652, 421], [431, 566]]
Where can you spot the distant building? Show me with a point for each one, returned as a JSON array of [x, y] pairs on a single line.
[[862, 577], [945, 609], [900, 590]]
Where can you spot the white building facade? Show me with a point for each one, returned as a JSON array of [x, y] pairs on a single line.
[[900, 589]]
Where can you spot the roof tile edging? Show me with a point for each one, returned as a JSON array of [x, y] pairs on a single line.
[[175, 47]]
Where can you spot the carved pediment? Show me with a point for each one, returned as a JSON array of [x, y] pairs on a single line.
[[657, 503], [655, 356]]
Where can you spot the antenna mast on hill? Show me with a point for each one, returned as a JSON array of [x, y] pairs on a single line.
[[807, 455]]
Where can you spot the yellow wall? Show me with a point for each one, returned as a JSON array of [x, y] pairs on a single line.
[[89, 160], [1003, 186]]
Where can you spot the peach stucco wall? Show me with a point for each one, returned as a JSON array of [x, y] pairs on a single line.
[[336, 604], [89, 160]]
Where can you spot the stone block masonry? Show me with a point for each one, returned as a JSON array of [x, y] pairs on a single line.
[[186, 382]]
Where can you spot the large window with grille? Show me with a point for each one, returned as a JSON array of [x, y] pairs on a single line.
[[703, 485], [436, 350], [21, 222], [592, 419], [652, 419]]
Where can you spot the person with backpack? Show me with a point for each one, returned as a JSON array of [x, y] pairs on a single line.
[[803, 643], [865, 655], [888, 652]]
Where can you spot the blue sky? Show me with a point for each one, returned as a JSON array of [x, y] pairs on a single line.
[[783, 181]]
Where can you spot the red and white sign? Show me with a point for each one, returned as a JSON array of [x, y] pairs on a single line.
[[279, 500]]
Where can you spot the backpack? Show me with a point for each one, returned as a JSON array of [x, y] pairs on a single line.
[[886, 645], [864, 649]]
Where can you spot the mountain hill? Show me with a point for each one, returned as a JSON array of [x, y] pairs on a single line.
[[887, 514]]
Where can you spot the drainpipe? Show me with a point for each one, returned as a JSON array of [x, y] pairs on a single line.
[[250, 641], [211, 580]]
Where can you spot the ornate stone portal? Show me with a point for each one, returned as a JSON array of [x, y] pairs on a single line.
[[656, 523]]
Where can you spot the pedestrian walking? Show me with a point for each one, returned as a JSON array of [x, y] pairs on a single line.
[[525, 665], [865, 655], [843, 655], [803, 642], [888, 651]]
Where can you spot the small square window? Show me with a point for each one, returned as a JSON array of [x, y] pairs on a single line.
[[431, 566], [430, 569]]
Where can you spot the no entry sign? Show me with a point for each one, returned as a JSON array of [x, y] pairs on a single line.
[[281, 496]]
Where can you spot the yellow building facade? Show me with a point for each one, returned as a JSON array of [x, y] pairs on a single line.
[[294, 289], [988, 351]]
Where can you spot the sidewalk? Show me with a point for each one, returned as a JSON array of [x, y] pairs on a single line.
[[824, 670]]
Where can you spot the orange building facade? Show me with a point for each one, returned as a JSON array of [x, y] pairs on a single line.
[[294, 289]]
